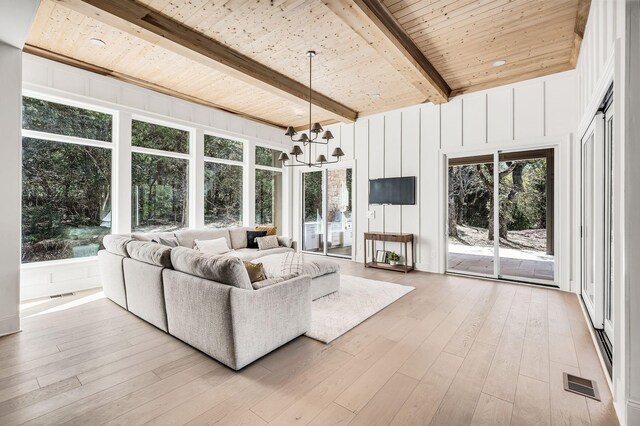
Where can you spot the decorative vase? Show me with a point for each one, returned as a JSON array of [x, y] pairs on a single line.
[[393, 262]]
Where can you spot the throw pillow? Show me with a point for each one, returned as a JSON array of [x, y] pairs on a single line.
[[271, 230], [291, 263], [251, 238], [255, 271], [271, 281], [285, 241], [169, 242], [268, 242], [217, 246]]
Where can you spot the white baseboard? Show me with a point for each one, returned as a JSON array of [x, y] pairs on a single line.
[[9, 324]]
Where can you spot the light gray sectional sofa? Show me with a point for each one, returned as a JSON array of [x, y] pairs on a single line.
[[208, 300]]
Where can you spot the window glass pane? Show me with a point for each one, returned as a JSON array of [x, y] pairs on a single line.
[[268, 198], [148, 135], [66, 200], [223, 195], [225, 149], [267, 157], [159, 193], [65, 120]]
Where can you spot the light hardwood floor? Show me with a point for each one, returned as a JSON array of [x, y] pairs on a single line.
[[455, 351]]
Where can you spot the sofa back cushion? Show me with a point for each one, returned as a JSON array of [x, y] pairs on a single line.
[[116, 244], [239, 237], [219, 268], [187, 237], [149, 236], [151, 253]]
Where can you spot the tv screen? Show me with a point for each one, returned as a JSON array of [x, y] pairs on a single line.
[[400, 190]]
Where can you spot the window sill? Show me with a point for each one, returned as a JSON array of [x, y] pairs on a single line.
[[61, 262]]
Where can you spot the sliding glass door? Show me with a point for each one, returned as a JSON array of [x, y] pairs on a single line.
[[500, 220], [327, 212]]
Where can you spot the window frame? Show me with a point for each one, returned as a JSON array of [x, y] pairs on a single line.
[[71, 140], [244, 164]]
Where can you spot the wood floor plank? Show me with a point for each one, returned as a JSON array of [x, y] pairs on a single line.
[[535, 350], [382, 408], [531, 406], [335, 415], [459, 403], [492, 411], [503, 375], [111, 410], [421, 405], [392, 368], [311, 404]]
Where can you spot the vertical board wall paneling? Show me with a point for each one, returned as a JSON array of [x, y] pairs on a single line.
[[411, 155], [474, 125], [451, 122], [561, 114], [393, 147], [429, 187], [376, 166], [361, 153], [347, 140], [528, 110], [500, 114]]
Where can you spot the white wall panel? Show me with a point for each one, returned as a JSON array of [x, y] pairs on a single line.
[[528, 110], [347, 141], [393, 147], [361, 152], [561, 114], [474, 126], [411, 167], [429, 191], [500, 114], [451, 123], [376, 166]]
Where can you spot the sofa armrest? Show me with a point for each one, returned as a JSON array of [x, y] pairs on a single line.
[[294, 245], [265, 319]]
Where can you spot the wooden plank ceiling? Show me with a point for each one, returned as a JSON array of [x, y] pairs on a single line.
[[248, 56]]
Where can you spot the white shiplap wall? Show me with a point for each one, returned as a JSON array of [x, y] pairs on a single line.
[[411, 142]]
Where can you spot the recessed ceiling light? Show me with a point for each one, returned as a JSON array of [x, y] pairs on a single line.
[[499, 63], [97, 42], [375, 96]]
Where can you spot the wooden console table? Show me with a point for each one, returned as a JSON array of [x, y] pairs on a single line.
[[388, 237]]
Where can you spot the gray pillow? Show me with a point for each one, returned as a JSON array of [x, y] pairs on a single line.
[[268, 242], [220, 268], [271, 281], [285, 241], [149, 252]]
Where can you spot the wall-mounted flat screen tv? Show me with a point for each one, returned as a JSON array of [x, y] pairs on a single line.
[[399, 190]]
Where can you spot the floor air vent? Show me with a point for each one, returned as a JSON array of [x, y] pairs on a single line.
[[581, 386], [57, 296]]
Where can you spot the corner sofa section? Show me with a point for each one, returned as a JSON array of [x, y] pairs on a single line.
[[206, 301]]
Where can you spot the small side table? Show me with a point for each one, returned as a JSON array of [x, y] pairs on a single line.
[[389, 237]]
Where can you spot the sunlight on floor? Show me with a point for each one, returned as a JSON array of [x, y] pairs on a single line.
[[65, 306]]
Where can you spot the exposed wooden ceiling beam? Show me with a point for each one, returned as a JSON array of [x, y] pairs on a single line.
[[43, 53], [578, 32], [141, 21], [377, 26]]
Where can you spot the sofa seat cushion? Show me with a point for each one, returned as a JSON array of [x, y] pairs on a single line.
[[250, 254], [223, 269], [116, 244], [186, 238], [151, 253], [238, 237], [311, 265]]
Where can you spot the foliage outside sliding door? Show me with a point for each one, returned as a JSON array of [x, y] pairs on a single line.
[[66, 180], [524, 245]]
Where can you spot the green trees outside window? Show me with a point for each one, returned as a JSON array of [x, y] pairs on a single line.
[[223, 195], [66, 200]]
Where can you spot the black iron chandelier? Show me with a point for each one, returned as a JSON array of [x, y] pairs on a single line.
[[305, 139]]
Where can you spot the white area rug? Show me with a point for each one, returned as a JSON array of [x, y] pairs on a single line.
[[357, 300]]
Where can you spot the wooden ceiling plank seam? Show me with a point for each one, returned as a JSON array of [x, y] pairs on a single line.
[[34, 50], [496, 29], [385, 21], [521, 77], [182, 39]]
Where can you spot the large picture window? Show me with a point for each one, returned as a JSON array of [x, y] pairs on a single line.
[[159, 177], [268, 188], [223, 182], [66, 181]]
